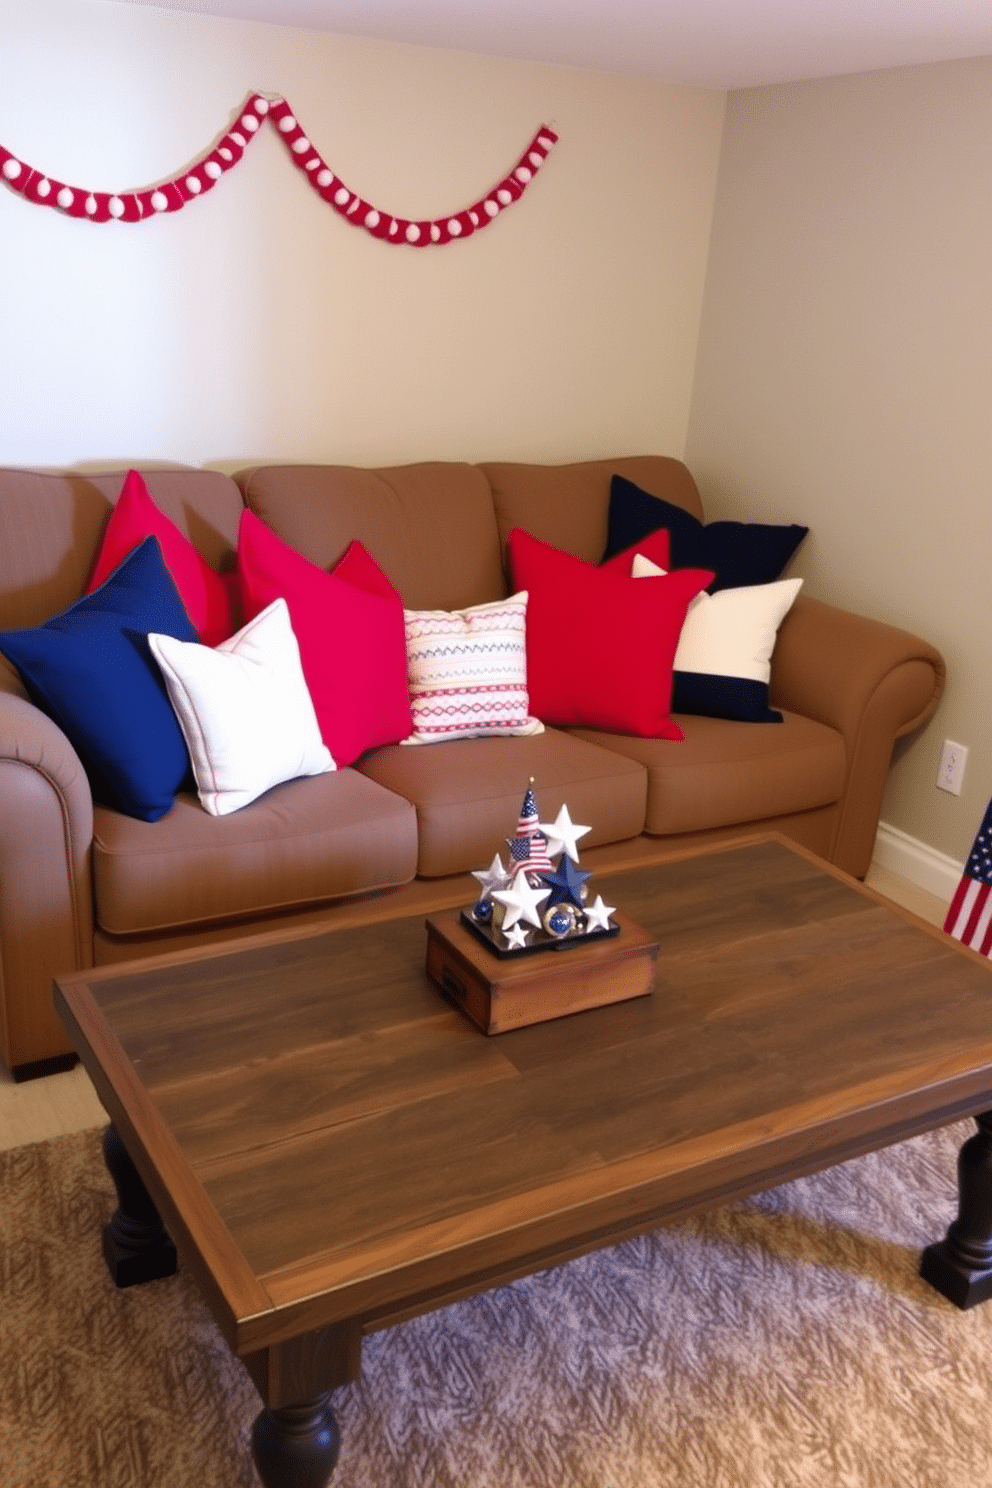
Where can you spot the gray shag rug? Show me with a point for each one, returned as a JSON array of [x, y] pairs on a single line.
[[777, 1342]]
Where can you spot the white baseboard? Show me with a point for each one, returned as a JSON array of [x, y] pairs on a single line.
[[915, 861]]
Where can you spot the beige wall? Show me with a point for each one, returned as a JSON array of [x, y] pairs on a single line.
[[256, 324], [844, 373]]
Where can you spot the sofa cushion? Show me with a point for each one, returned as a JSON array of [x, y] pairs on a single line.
[[600, 644], [90, 669], [430, 526], [738, 552], [467, 793], [724, 772], [723, 660], [212, 602], [468, 671], [301, 844], [350, 634], [568, 505], [244, 710]]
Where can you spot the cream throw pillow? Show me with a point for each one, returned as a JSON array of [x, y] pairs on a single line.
[[244, 710]]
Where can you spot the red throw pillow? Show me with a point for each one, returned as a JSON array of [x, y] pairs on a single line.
[[349, 627], [211, 599], [655, 547], [599, 653]]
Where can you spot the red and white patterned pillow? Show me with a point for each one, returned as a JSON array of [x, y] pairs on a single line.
[[467, 671]]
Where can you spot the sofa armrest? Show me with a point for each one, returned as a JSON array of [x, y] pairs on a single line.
[[46, 903], [871, 682]]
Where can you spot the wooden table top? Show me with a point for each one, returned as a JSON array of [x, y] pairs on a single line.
[[328, 1140]]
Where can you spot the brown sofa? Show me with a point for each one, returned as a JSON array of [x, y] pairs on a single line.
[[398, 832]]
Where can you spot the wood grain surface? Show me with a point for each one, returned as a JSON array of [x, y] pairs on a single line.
[[329, 1141]]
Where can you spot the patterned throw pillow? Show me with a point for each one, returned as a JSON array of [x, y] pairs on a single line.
[[467, 671]]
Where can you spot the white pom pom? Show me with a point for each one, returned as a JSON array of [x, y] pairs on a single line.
[[225, 153], [454, 227], [90, 205], [473, 217], [12, 169], [66, 198], [372, 218], [312, 164], [238, 139], [413, 233], [542, 139], [213, 170], [287, 124], [435, 233], [394, 228], [325, 177], [490, 208], [262, 106], [504, 196], [43, 187], [159, 201], [194, 184], [342, 195], [249, 122], [301, 145], [115, 207], [535, 159], [523, 175]]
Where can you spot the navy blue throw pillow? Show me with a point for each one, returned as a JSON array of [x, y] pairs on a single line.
[[739, 553], [91, 670]]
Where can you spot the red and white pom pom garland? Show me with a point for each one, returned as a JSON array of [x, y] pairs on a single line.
[[171, 196]]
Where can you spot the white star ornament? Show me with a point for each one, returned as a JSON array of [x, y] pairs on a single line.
[[520, 902], [598, 915], [562, 835]]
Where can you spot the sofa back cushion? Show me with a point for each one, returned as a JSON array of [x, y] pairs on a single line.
[[568, 505], [52, 525], [431, 526]]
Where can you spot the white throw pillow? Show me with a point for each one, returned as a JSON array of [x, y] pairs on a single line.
[[467, 671], [244, 709], [723, 659]]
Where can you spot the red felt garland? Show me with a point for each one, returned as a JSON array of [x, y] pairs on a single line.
[[203, 175]]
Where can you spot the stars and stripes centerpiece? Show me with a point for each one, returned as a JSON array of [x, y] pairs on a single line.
[[536, 890], [969, 918]]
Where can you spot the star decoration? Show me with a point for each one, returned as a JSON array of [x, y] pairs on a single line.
[[493, 877], [562, 834], [598, 915], [565, 883], [516, 937], [520, 902]]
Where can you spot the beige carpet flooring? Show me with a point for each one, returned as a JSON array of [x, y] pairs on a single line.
[[775, 1343]]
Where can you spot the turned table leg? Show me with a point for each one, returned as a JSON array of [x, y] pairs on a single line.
[[135, 1244], [295, 1439], [960, 1266], [296, 1446]]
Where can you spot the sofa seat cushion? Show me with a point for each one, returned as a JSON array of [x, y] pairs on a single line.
[[724, 772], [302, 843], [467, 793]]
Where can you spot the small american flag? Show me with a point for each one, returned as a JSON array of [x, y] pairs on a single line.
[[529, 849], [969, 918], [529, 853]]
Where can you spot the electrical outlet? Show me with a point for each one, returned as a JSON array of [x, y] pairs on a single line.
[[950, 776]]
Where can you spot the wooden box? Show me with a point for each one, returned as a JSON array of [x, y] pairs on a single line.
[[501, 994]]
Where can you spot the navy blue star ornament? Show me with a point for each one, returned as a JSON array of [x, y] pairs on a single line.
[[567, 883]]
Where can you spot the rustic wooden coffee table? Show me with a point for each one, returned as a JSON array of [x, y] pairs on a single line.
[[333, 1148]]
